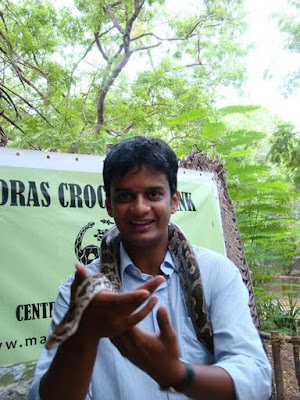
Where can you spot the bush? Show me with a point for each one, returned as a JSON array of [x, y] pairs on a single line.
[[278, 311]]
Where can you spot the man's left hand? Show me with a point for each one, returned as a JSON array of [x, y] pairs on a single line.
[[157, 355]]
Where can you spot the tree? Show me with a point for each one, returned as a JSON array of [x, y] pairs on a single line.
[[264, 200], [285, 151], [128, 27], [32, 83], [184, 60], [20, 71]]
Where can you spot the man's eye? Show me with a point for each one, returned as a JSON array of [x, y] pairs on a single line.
[[123, 197], [154, 195]]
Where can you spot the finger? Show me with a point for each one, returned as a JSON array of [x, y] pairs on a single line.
[[167, 331], [81, 271], [124, 298], [138, 316], [80, 275], [128, 339], [125, 303], [152, 284]]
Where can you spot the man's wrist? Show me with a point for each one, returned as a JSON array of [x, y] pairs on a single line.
[[185, 382]]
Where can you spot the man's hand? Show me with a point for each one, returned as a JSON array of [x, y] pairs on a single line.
[[157, 355], [111, 314], [108, 315]]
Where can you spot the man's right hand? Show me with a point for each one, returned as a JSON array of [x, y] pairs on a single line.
[[111, 314], [108, 315]]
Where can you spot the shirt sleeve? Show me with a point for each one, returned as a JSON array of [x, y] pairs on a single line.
[[59, 310], [237, 346]]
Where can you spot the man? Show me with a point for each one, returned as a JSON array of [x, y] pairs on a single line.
[[195, 336]]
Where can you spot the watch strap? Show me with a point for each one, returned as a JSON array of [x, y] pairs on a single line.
[[186, 380]]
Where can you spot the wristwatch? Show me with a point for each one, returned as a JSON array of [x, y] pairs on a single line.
[[185, 382]]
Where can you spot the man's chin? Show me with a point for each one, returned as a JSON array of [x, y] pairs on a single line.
[[141, 242]]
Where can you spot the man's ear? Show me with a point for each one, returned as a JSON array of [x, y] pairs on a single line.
[[174, 202], [108, 207]]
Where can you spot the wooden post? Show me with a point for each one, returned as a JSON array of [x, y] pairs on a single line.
[[296, 343], [277, 340]]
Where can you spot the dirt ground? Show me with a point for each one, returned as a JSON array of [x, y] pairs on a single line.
[[291, 388]]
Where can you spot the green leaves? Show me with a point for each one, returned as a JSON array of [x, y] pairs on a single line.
[[239, 109], [285, 151], [187, 116], [279, 311], [64, 56]]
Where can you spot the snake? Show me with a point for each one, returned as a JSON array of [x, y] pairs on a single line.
[[84, 294], [108, 279]]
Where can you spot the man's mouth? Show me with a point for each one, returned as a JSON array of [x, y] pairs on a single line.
[[141, 223]]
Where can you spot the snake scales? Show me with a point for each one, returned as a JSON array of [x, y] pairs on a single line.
[[109, 279]]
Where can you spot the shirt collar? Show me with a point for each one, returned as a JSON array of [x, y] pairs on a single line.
[[167, 267]]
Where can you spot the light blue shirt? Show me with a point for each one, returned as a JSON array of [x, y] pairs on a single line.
[[237, 346]]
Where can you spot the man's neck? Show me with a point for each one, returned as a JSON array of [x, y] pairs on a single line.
[[147, 259]]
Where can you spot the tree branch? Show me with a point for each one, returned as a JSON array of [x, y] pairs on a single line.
[[3, 19], [97, 39], [3, 137], [29, 83], [188, 36], [36, 67], [109, 11], [115, 66], [137, 9], [8, 99], [104, 89], [12, 123], [29, 104], [146, 47], [11, 58]]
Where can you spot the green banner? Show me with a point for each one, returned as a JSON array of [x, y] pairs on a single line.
[[52, 214]]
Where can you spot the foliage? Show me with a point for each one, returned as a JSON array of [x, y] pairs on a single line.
[[67, 81], [265, 202], [33, 85], [285, 151], [279, 311]]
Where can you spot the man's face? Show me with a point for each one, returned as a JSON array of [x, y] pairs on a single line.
[[141, 205]]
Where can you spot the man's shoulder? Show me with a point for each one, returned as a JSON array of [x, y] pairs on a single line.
[[211, 261], [208, 254], [217, 272]]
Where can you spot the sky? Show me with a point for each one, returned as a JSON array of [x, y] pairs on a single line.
[[269, 55]]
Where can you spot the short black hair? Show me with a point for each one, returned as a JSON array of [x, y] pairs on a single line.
[[137, 151]]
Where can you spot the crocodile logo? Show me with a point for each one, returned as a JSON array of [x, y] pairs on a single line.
[[89, 253]]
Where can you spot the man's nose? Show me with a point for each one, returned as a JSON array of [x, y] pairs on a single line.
[[140, 205]]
